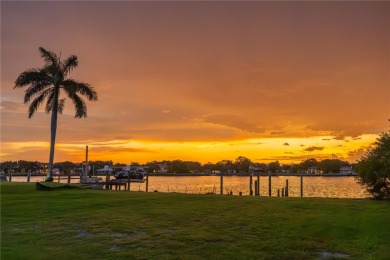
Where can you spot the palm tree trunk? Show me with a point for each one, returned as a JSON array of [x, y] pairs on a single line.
[[53, 131]]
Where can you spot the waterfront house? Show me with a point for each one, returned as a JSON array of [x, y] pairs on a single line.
[[163, 167], [313, 170], [346, 170]]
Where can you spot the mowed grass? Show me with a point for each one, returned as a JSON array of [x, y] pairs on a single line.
[[102, 224]]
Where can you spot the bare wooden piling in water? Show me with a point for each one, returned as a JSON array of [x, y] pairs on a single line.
[[250, 184], [256, 186], [59, 177], [286, 189], [128, 181], [86, 162], [301, 185], [28, 176], [283, 192], [10, 176], [69, 178], [269, 184], [147, 182], [278, 192], [107, 177], [258, 183], [221, 182]]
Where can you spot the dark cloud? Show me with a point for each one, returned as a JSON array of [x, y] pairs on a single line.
[[314, 148], [277, 133]]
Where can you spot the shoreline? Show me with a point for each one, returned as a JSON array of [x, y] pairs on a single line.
[[207, 174]]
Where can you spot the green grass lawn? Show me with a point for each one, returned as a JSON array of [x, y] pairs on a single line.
[[98, 224]]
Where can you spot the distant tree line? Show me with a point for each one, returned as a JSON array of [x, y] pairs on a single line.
[[239, 166]]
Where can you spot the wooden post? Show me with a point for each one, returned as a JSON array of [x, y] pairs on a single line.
[[258, 183], [28, 176], [278, 192], [282, 192], [128, 181], [86, 162], [269, 184], [69, 177], [10, 176], [147, 182], [240, 193], [286, 190], [107, 179], [301, 185], [250, 184], [221, 185], [59, 177]]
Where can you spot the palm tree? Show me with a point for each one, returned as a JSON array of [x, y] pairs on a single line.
[[47, 83]]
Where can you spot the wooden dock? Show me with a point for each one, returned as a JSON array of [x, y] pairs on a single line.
[[117, 184]]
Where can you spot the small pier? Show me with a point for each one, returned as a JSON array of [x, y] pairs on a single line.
[[117, 184]]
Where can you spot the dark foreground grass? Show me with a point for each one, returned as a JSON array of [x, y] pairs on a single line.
[[91, 224]]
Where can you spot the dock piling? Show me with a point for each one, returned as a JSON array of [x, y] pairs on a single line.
[[221, 180], [107, 173], [269, 184], [286, 190], [250, 184], [128, 181], [147, 182], [301, 185], [256, 187]]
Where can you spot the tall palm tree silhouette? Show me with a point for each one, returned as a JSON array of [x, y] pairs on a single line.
[[47, 83]]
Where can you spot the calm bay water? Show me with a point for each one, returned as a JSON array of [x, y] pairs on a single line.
[[316, 186]]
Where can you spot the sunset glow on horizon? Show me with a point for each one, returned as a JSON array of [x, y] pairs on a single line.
[[202, 81]]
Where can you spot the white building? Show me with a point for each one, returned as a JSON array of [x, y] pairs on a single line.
[[346, 170], [313, 170]]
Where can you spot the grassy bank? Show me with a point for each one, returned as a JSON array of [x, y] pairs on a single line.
[[90, 224]]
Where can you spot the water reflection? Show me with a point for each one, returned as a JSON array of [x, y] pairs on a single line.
[[326, 187]]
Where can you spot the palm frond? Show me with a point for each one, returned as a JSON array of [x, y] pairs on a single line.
[[32, 76], [70, 63], [35, 89], [49, 103], [37, 102], [51, 69], [73, 86], [49, 57], [81, 108], [61, 104]]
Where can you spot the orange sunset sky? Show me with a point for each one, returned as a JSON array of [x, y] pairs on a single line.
[[203, 81]]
